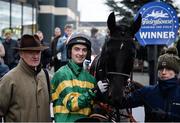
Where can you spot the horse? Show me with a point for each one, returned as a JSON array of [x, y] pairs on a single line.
[[115, 62]]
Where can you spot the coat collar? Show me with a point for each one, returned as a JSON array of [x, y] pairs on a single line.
[[165, 85], [31, 72], [76, 69]]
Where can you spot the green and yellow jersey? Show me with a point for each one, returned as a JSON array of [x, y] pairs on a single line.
[[71, 93]]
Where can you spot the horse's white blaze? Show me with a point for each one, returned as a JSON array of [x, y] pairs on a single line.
[[121, 46]]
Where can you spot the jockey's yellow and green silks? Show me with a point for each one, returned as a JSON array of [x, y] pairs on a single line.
[[71, 93]]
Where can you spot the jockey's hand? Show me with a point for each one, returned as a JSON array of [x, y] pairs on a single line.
[[103, 85]]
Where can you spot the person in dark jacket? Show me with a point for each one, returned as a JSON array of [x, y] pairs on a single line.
[[11, 57], [54, 59], [161, 101], [46, 54], [96, 45]]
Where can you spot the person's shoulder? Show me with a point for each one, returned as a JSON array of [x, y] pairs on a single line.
[[61, 40], [62, 37], [55, 39], [14, 41], [45, 44], [61, 74], [62, 71], [11, 76], [88, 75], [87, 72]]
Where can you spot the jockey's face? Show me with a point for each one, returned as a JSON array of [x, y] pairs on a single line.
[[165, 74], [78, 53]]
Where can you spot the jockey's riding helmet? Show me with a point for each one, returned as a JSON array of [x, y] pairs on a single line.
[[79, 39]]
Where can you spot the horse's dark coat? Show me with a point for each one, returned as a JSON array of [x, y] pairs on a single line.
[[117, 56]]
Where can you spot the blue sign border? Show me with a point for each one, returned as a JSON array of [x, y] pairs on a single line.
[[154, 33]]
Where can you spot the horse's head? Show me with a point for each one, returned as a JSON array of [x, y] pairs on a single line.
[[121, 44], [117, 56]]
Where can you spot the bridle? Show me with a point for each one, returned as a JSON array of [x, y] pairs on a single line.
[[129, 111], [113, 72], [118, 73]]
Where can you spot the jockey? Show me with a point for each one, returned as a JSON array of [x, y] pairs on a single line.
[[73, 88], [161, 101]]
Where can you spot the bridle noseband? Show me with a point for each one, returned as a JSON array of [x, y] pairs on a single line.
[[113, 72], [118, 73]]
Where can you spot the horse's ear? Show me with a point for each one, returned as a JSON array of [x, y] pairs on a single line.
[[137, 24], [111, 22]]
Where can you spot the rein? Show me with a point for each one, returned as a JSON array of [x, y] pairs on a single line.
[[129, 111], [117, 73], [114, 38]]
